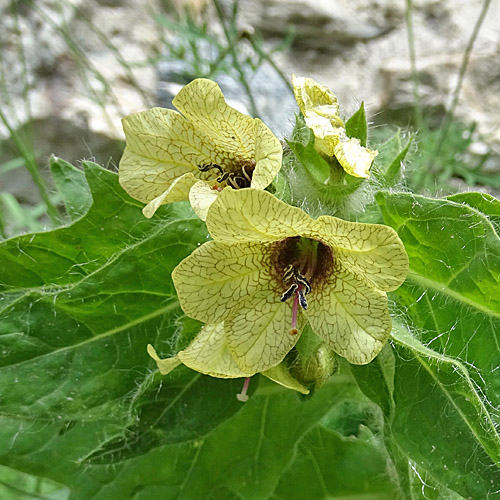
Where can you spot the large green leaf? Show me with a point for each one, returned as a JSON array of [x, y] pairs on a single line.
[[341, 457], [440, 394], [452, 289], [83, 404]]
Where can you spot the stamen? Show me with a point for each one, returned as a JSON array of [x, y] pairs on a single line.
[[289, 292], [232, 181], [208, 166], [293, 329], [223, 177], [303, 281], [242, 396], [245, 173], [238, 181], [288, 273], [302, 299]]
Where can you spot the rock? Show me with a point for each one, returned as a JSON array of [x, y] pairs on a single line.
[[322, 24], [437, 76], [83, 64], [273, 98]]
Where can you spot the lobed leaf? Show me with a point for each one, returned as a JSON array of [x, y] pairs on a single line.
[[83, 403], [440, 392]]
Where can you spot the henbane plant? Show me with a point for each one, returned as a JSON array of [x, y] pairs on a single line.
[[269, 263], [371, 312]]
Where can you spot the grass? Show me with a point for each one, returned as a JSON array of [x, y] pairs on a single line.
[[443, 148]]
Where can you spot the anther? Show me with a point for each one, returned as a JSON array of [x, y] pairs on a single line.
[[208, 166], [237, 181], [288, 274], [245, 173], [303, 281], [223, 177], [302, 299], [289, 292]]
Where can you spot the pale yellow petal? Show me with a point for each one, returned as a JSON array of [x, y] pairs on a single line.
[[326, 135], [268, 155], [208, 353], [372, 252], [281, 375], [311, 95], [217, 279], [201, 196], [178, 191], [164, 365], [355, 159], [320, 109], [259, 334], [161, 146], [203, 104], [352, 318], [253, 215]]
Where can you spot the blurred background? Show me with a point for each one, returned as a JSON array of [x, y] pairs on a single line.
[[71, 69]]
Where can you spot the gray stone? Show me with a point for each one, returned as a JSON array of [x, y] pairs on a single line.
[[322, 24]]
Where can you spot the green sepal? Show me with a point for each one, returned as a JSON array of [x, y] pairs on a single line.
[[357, 125]]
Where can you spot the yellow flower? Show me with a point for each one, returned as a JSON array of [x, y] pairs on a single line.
[[208, 353], [173, 157], [320, 108], [271, 268]]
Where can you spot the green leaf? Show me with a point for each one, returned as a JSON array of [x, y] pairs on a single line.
[[84, 405], [329, 465], [243, 457], [80, 305], [482, 202], [15, 485], [313, 163], [393, 170], [68, 254], [72, 186], [455, 433], [357, 126], [442, 409]]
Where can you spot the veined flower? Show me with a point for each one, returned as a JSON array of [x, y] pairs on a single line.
[[208, 353], [320, 108], [171, 156], [271, 268]]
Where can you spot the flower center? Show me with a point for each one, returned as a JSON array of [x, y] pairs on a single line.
[[299, 266], [238, 174]]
